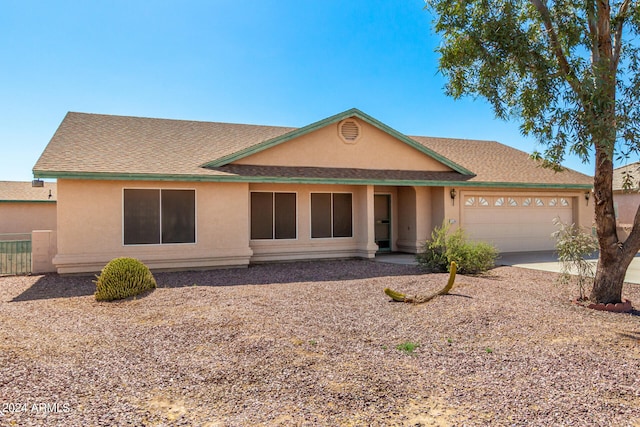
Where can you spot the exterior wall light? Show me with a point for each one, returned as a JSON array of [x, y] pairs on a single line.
[[586, 196], [453, 194]]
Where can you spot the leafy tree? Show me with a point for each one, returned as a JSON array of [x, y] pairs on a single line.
[[569, 71]]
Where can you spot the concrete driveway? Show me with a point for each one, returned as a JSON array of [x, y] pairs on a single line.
[[548, 261]]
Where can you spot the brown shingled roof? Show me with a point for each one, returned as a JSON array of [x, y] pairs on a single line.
[[19, 191], [340, 173], [99, 143], [104, 145], [618, 177], [492, 161]]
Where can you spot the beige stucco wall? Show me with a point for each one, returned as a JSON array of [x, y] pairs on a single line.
[[24, 217], [406, 219], [361, 244], [454, 212], [626, 206], [324, 148], [90, 227], [43, 250], [90, 223]]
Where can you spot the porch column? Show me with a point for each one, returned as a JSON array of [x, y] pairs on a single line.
[[367, 247]]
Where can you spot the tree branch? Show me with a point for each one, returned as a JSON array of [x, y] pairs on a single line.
[[620, 18], [593, 30], [565, 68]]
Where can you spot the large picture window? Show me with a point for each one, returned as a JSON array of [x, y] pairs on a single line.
[[154, 216], [331, 215], [273, 215]]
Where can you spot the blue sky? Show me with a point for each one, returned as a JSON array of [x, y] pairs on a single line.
[[282, 62]]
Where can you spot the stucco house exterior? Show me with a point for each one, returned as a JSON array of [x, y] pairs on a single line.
[[186, 194], [24, 208]]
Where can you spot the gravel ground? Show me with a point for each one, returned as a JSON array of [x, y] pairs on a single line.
[[315, 344]]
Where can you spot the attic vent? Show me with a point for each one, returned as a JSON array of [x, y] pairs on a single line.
[[349, 131]]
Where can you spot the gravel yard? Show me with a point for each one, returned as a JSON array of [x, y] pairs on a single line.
[[315, 344]]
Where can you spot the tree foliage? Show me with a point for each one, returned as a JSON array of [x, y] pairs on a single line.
[[569, 71], [541, 63]]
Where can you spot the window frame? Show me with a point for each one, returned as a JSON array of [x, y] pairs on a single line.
[[160, 190], [332, 221], [273, 217]]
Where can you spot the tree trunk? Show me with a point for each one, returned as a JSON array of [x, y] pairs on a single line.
[[614, 259], [607, 286], [613, 263]]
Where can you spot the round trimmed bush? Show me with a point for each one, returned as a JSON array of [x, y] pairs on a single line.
[[123, 278]]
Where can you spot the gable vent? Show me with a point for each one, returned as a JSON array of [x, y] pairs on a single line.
[[349, 130]]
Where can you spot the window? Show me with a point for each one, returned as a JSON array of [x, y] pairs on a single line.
[[273, 215], [331, 215], [159, 216]]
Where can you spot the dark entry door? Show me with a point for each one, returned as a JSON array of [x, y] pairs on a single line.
[[382, 216]]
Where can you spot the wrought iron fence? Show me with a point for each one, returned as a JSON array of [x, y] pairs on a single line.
[[15, 254]]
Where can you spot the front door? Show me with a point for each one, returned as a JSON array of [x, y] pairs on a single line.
[[382, 216]]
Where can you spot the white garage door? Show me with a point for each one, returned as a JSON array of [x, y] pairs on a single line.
[[515, 223]]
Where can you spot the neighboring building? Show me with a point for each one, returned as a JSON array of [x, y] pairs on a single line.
[[24, 208], [626, 200], [185, 194]]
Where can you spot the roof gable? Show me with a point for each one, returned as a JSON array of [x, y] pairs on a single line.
[[306, 130]]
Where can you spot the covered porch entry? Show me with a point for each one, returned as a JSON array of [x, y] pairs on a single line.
[[404, 216]]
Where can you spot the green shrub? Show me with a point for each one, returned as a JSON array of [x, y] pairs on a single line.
[[445, 247], [123, 278]]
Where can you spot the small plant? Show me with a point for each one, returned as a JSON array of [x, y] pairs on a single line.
[[572, 246], [446, 247], [489, 350], [313, 343], [407, 347], [123, 278]]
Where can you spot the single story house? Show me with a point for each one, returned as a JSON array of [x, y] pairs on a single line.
[[626, 198], [185, 194], [24, 207]]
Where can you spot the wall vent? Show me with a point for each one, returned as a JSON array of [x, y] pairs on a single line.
[[349, 131]]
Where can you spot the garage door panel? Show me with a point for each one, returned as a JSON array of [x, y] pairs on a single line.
[[516, 228]]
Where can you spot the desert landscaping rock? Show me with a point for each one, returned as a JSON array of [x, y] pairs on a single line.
[[314, 344]]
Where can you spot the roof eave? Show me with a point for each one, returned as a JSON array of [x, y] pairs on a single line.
[[354, 112], [297, 180]]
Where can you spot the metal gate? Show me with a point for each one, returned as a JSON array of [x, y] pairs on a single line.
[[15, 254]]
